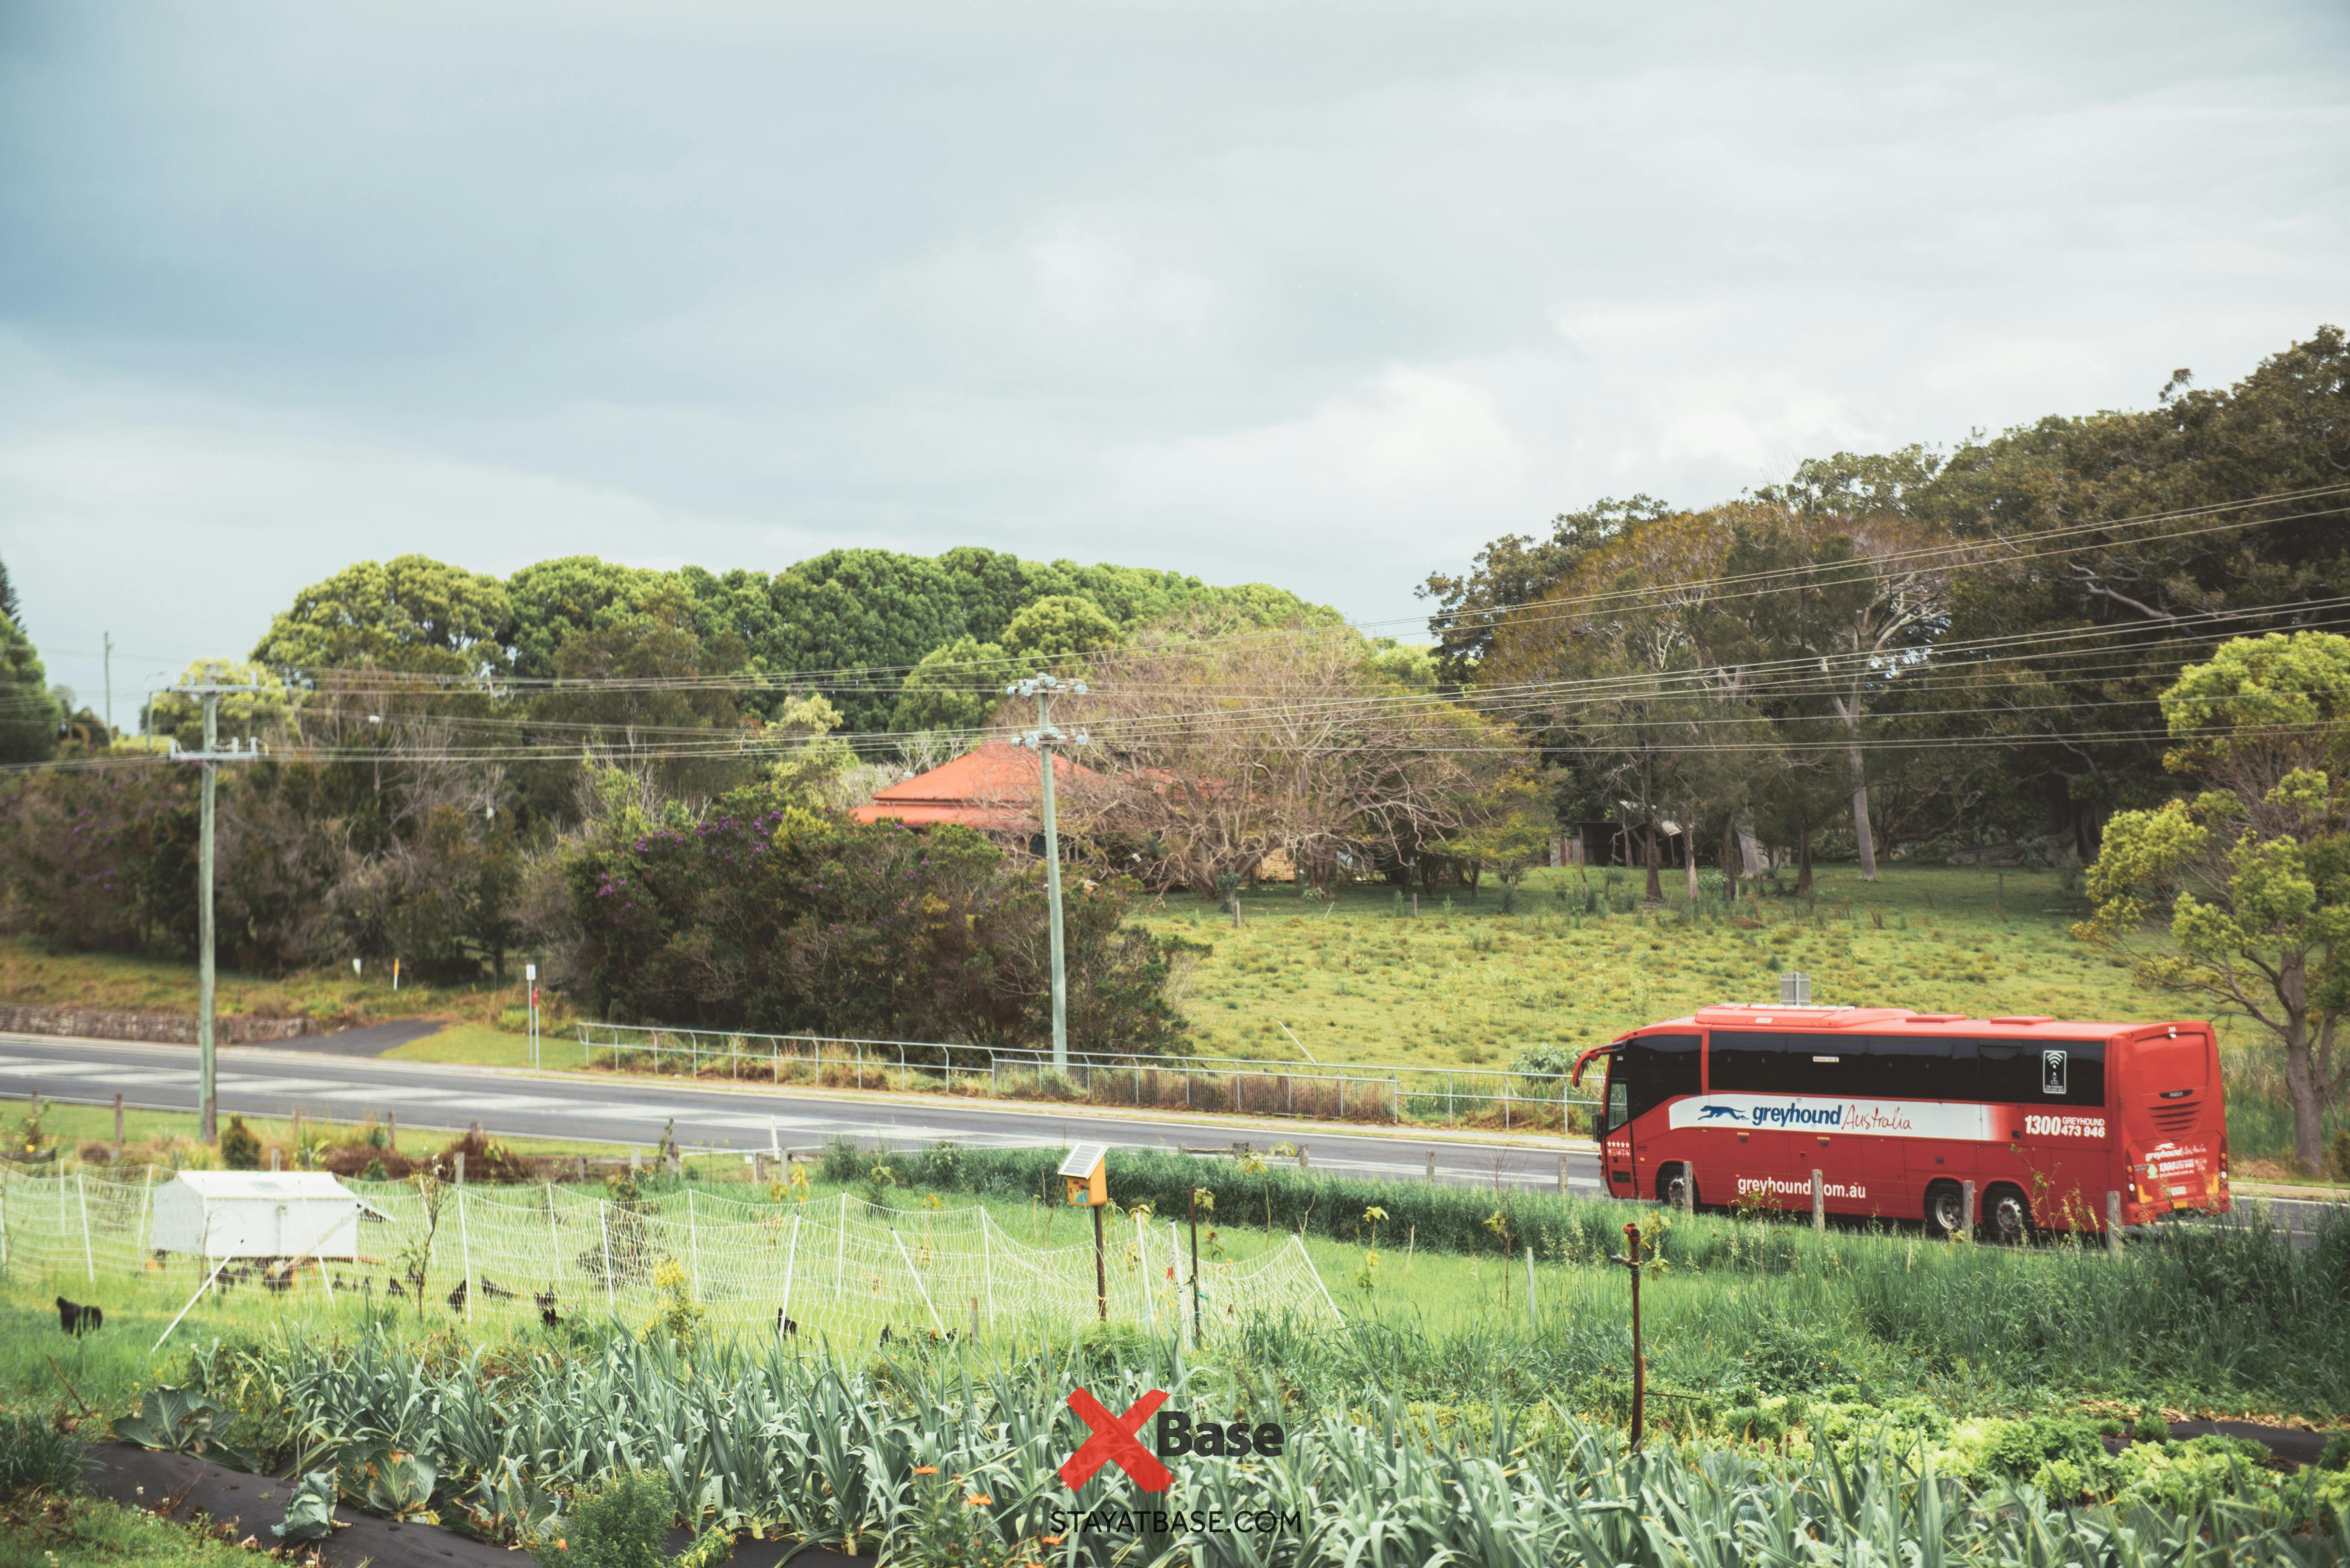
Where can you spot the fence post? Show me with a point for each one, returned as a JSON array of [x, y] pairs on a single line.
[[791, 1258], [118, 1118], [81, 1195], [554, 1236], [1301, 1157], [391, 1131], [1967, 1201], [604, 1240], [1819, 1202], [464, 1244], [146, 1218], [1562, 1173], [460, 1168], [2114, 1223], [692, 1246], [1432, 1167], [1534, 1322]]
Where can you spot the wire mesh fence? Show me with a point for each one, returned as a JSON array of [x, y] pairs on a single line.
[[1337, 1091], [842, 1267]]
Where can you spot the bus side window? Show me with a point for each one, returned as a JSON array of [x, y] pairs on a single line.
[[1619, 1102], [2047, 1072], [1913, 1067]]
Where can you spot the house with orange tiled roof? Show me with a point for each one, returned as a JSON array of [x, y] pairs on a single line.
[[992, 790]]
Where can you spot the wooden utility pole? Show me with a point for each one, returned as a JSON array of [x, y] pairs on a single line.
[[207, 1074]]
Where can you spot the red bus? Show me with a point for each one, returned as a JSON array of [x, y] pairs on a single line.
[[1898, 1110]]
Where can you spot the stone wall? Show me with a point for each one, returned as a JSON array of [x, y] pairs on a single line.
[[172, 1028]]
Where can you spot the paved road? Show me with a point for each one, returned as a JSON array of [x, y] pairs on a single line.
[[274, 1080], [277, 1080]]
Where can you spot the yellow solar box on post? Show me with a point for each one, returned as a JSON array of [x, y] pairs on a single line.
[[1087, 1172]]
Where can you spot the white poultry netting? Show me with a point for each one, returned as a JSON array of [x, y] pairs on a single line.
[[839, 1268]]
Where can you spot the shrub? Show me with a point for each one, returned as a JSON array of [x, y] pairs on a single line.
[[2020, 1450], [34, 1452], [621, 1522], [240, 1149]]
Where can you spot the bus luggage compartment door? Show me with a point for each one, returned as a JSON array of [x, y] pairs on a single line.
[[1743, 1167]]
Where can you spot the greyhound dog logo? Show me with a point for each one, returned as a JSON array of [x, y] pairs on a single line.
[[1720, 1114]]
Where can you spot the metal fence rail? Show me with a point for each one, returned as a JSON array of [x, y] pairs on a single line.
[[1346, 1091]]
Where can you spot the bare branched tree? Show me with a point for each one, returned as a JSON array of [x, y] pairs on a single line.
[[1210, 755]]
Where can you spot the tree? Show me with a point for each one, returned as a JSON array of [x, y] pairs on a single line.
[[1056, 632], [2253, 872], [640, 689], [1514, 571], [954, 688], [551, 600], [1512, 832], [243, 716], [2093, 540], [411, 614], [29, 714], [1617, 676], [1211, 754], [764, 917]]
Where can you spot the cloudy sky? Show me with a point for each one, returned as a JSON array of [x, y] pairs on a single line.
[[1320, 294]]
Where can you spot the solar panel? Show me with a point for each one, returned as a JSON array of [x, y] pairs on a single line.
[[1083, 1159]]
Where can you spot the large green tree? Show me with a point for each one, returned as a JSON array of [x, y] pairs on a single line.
[[2097, 547], [28, 712], [413, 613], [2249, 878]]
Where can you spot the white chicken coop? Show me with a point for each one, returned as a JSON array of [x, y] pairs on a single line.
[[217, 1214]]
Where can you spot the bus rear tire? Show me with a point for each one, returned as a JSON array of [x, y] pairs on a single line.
[[1946, 1209], [1670, 1182], [2007, 1216]]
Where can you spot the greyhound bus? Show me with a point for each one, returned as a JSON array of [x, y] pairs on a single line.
[[1898, 1112]]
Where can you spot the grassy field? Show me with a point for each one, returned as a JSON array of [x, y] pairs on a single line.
[[31, 974], [1364, 979]]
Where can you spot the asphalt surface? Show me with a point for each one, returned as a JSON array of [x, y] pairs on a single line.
[[277, 1079], [373, 1040]]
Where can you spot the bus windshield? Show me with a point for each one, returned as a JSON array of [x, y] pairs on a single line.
[[1647, 1071]]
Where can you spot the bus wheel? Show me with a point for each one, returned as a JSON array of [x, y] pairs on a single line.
[[1674, 1184], [1946, 1209], [2007, 1216]]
